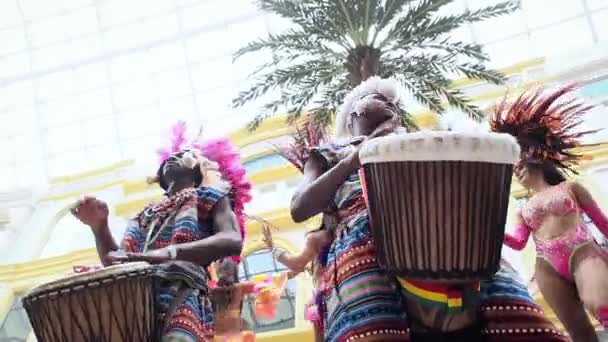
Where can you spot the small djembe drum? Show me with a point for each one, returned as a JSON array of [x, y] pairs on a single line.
[[112, 304], [438, 202]]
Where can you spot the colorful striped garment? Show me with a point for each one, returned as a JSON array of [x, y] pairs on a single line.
[[181, 218], [364, 303]]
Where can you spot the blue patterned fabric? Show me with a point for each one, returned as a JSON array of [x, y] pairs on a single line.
[[184, 217], [505, 284], [365, 303]]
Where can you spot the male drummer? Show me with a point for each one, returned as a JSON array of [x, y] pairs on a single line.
[[189, 228], [364, 302]]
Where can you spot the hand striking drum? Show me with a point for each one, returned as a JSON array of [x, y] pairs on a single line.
[[192, 226]]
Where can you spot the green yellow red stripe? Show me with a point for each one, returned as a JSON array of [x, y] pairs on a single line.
[[434, 293]]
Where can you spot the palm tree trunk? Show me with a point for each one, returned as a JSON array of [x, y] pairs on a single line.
[[362, 63]]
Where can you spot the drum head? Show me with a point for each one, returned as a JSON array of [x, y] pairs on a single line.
[[116, 271]]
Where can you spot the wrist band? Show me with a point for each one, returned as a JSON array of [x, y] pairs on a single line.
[[172, 252]]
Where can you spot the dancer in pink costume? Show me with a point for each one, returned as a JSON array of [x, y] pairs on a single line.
[[571, 268]]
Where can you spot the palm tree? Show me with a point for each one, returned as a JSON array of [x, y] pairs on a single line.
[[333, 45]]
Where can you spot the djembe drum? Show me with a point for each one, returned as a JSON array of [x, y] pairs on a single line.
[[438, 202], [112, 304]]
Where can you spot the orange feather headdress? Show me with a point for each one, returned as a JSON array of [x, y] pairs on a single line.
[[545, 125]]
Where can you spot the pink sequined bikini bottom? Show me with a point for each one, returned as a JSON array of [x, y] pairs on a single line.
[[558, 252]]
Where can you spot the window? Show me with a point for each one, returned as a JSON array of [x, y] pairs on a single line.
[[539, 14], [263, 163], [597, 4], [508, 51], [82, 21], [262, 262], [90, 76], [13, 40], [562, 38], [600, 20], [597, 88], [167, 57], [48, 31], [15, 64], [500, 27], [16, 326], [9, 14]]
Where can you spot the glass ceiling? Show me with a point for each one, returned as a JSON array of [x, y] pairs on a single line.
[[85, 83]]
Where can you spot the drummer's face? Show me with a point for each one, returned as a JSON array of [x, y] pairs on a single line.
[[377, 109], [174, 169]]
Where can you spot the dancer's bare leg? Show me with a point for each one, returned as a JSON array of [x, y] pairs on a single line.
[[591, 277], [562, 297]]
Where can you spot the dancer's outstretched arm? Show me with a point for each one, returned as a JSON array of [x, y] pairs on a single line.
[[590, 207], [519, 238], [297, 262]]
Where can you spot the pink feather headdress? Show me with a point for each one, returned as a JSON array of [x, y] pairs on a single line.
[[226, 156]]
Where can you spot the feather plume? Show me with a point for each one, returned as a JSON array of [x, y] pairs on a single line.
[[178, 139], [545, 124], [306, 137]]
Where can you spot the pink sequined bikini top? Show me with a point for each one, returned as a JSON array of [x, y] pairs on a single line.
[[556, 201]]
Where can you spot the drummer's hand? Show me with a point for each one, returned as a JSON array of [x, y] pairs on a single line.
[[92, 212], [157, 256], [385, 128]]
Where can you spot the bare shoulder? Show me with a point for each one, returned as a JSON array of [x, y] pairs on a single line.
[[573, 186]]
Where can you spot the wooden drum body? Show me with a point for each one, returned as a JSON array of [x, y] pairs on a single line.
[[113, 304], [438, 202]]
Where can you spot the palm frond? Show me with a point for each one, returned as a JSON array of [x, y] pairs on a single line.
[[293, 41], [335, 44], [386, 13], [427, 29], [480, 72], [457, 99], [407, 120], [413, 18], [284, 77], [318, 18], [470, 50]]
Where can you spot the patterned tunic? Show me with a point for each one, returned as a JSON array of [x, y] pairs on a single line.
[[181, 218], [364, 303], [362, 300]]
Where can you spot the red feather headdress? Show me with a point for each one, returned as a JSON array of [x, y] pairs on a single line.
[[305, 137], [544, 123]]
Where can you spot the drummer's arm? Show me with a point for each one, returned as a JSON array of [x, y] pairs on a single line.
[[318, 187], [104, 242], [519, 238], [225, 242]]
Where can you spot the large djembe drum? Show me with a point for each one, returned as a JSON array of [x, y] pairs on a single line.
[[438, 202], [112, 304]]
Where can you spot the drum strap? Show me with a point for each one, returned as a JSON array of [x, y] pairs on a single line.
[[180, 297]]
